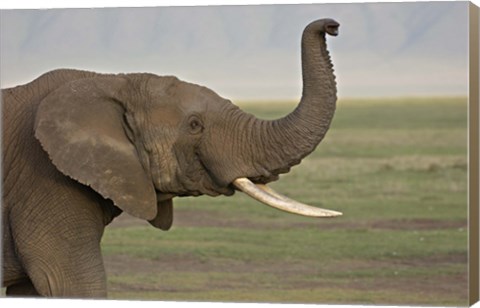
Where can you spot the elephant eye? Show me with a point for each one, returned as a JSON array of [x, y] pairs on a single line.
[[195, 125]]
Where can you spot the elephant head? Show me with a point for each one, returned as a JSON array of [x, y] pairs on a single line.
[[142, 139]]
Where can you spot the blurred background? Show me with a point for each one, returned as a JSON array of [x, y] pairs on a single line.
[[248, 52]]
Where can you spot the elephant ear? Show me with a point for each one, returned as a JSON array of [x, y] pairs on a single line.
[[81, 127]]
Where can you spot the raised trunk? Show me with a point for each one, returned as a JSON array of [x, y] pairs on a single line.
[[286, 141], [264, 149], [280, 144]]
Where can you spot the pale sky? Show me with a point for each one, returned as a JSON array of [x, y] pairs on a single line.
[[248, 52]]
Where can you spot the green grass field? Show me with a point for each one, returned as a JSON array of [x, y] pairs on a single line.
[[397, 169]]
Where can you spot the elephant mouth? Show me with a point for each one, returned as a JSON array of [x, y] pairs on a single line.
[[255, 188], [268, 196], [258, 191]]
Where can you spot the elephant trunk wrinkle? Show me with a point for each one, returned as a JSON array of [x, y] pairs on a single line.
[[274, 146]]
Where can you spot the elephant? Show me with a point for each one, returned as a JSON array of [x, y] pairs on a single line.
[[80, 148]]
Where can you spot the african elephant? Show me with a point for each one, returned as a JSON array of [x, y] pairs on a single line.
[[79, 148]]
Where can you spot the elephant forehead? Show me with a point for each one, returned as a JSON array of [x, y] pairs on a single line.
[[203, 103], [176, 99]]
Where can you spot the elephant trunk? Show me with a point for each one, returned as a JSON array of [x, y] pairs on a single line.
[[286, 141], [303, 129], [283, 143]]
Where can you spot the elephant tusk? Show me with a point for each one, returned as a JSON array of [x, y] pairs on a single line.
[[269, 197], [272, 192]]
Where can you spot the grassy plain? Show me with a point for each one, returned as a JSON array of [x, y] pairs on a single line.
[[396, 168]]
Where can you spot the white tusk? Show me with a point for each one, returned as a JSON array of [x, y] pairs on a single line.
[[277, 195], [268, 196], [272, 192]]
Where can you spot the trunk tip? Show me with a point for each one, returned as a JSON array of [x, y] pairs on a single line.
[[326, 25]]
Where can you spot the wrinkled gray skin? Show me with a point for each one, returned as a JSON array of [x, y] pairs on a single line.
[[80, 147]]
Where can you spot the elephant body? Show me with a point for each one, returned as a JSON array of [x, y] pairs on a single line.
[[80, 148], [37, 197]]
